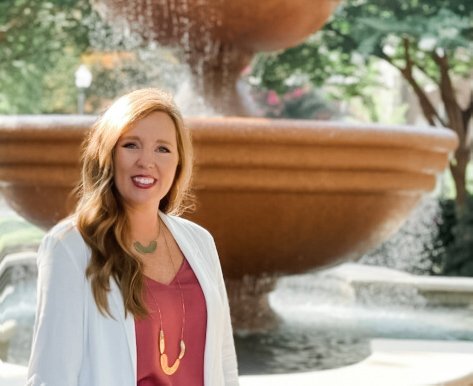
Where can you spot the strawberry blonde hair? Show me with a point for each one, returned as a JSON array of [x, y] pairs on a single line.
[[100, 214]]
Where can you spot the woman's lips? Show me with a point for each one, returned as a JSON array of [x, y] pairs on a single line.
[[143, 182]]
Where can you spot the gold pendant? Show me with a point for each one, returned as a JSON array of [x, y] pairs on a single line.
[[164, 365], [164, 358]]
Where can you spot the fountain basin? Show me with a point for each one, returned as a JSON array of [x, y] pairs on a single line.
[[279, 196]]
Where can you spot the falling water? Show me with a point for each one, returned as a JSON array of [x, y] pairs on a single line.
[[408, 250], [194, 65]]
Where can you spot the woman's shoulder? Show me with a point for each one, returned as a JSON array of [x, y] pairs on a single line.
[[183, 224], [65, 230], [193, 235], [66, 236]]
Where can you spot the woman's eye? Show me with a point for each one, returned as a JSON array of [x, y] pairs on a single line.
[[129, 145], [162, 149]]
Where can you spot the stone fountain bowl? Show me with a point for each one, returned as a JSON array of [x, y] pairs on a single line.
[[218, 38], [279, 196], [250, 25]]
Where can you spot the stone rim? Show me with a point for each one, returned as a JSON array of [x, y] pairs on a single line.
[[249, 154]]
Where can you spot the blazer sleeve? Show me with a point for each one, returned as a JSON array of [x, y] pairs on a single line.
[[57, 348], [229, 359]]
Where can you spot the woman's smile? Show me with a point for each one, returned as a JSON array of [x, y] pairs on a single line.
[[143, 182]]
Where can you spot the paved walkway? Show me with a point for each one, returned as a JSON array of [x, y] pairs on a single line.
[[392, 363]]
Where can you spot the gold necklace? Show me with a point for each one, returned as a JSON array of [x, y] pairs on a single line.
[[164, 362], [153, 244]]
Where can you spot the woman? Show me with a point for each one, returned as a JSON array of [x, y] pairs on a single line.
[[129, 293]]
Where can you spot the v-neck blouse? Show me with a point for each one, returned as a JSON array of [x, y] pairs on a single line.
[[168, 298]]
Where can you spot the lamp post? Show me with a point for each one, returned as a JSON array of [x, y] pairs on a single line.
[[83, 78]]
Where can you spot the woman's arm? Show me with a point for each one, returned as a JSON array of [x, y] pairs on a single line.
[[57, 349]]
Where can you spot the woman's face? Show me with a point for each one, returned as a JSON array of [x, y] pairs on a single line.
[[146, 158]]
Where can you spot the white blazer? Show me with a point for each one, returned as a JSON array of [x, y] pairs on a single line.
[[74, 344]]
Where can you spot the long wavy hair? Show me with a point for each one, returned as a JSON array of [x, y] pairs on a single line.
[[100, 214]]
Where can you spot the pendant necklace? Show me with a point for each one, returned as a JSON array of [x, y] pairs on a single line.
[[153, 244], [164, 362]]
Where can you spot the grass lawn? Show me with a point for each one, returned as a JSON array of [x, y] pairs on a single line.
[[17, 234]]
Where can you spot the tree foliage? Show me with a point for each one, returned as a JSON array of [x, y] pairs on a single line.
[[428, 41], [42, 43], [346, 74], [40, 46]]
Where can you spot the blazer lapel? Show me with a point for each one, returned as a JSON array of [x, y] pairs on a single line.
[[128, 323], [186, 240], [189, 248]]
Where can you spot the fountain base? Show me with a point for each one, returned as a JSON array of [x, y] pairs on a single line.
[[249, 304]]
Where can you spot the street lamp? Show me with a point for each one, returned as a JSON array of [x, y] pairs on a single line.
[[83, 79]]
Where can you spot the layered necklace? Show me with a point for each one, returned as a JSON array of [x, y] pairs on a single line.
[[164, 361]]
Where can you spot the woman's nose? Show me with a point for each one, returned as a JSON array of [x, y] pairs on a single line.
[[146, 159]]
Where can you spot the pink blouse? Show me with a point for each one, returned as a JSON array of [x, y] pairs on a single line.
[[168, 296]]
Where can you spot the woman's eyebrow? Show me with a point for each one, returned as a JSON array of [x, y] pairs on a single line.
[[136, 138], [164, 141], [129, 137]]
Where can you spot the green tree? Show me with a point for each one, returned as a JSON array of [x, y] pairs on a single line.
[[428, 41], [40, 47], [343, 75]]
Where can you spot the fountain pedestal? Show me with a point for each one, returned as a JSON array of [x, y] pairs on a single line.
[[249, 303]]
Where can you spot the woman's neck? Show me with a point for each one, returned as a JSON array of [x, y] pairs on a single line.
[[144, 223]]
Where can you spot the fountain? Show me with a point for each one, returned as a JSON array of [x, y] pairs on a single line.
[[279, 196]]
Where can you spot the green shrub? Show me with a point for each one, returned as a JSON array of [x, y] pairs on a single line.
[[451, 254], [457, 237]]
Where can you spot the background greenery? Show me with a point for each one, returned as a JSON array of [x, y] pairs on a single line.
[[40, 47]]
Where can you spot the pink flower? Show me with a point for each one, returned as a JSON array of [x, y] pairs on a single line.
[[246, 71], [298, 92], [273, 98]]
